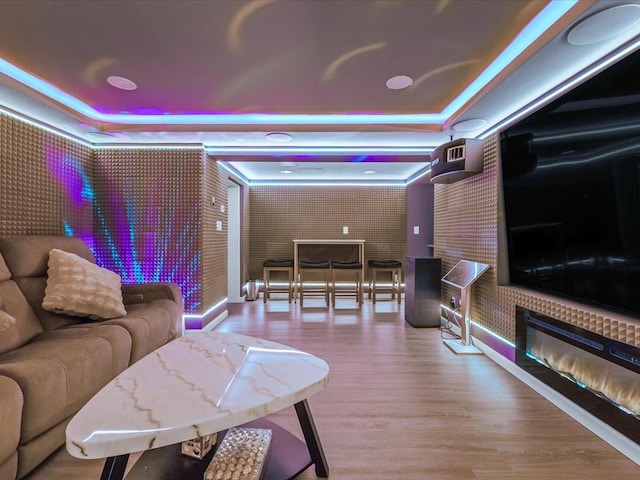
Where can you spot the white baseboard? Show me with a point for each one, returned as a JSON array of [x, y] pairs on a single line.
[[212, 324], [610, 435]]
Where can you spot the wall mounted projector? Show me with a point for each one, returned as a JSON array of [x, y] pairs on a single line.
[[457, 160]]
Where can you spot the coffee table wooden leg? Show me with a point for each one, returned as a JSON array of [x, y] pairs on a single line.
[[312, 439], [114, 467]]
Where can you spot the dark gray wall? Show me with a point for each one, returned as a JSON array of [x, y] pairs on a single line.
[[420, 214]]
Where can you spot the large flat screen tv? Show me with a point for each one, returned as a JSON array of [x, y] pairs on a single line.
[[571, 191]]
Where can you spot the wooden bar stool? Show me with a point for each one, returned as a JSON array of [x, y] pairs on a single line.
[[310, 268], [270, 266], [394, 267], [338, 289]]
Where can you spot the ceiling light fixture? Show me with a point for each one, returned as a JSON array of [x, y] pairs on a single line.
[[279, 137], [468, 125], [121, 83], [369, 172], [399, 82], [286, 172], [604, 25]]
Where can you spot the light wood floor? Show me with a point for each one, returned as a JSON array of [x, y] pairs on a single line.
[[401, 406]]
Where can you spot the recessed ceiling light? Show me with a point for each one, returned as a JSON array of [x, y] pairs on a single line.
[[399, 82], [121, 83], [369, 172], [286, 172], [279, 137], [604, 25], [468, 125]]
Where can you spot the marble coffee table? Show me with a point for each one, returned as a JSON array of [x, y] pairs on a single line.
[[196, 385]]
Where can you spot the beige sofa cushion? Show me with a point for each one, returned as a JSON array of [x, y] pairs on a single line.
[[58, 374], [4, 270], [10, 416], [26, 326], [6, 320], [77, 287]]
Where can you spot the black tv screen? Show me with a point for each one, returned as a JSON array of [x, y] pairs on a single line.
[[571, 190]]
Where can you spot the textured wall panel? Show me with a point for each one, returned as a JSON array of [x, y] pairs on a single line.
[[466, 227], [45, 182], [148, 217], [246, 230], [214, 242], [280, 214], [140, 210]]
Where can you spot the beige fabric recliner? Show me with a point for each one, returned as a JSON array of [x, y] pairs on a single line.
[[52, 364]]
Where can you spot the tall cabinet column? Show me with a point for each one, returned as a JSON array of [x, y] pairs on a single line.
[[422, 291]]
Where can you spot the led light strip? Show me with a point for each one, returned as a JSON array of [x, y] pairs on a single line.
[[559, 90], [46, 128], [481, 327], [545, 19], [340, 183], [549, 15], [234, 172], [268, 150], [129, 146], [417, 176], [203, 315]]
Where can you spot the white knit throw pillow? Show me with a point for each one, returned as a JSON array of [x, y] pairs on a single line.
[[78, 287]]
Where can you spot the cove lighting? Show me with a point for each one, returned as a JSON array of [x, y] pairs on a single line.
[[128, 146], [545, 19], [46, 89], [551, 14], [310, 150], [481, 327], [209, 311], [493, 334], [418, 177], [233, 172], [46, 128], [560, 89], [346, 183]]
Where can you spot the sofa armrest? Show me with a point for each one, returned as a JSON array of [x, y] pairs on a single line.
[[147, 292]]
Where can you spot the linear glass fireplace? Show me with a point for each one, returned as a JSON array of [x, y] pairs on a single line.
[[599, 374]]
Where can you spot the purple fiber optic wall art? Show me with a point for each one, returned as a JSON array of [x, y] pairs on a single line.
[[41, 182], [74, 179], [139, 210], [147, 217]]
